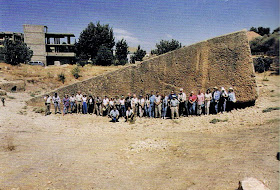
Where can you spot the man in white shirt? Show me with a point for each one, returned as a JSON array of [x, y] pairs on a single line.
[[183, 105], [114, 115], [174, 107], [129, 114], [158, 105], [48, 101], [79, 97]]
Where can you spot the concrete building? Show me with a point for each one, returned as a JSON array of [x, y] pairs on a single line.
[[49, 48]]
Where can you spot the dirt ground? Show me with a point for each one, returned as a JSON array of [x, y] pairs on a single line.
[[88, 152]]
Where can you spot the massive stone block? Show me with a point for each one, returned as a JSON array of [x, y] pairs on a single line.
[[221, 61]]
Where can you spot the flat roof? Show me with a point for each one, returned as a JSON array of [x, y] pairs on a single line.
[[59, 35]]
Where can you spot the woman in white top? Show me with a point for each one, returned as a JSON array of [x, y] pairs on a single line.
[[208, 98], [84, 99], [134, 104]]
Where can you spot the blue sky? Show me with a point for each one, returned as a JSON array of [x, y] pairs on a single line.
[[143, 22]]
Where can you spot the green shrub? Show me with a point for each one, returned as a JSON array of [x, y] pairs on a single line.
[[215, 120], [61, 77], [76, 72]]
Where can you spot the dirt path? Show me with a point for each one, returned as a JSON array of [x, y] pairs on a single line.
[[88, 152]]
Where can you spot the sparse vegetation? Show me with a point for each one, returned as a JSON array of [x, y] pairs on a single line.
[[270, 109], [215, 120], [138, 55], [39, 110], [76, 72], [61, 77]]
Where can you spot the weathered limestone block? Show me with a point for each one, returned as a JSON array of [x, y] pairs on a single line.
[[251, 184], [223, 61]]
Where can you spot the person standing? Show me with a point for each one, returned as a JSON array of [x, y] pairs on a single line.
[[3, 101], [48, 101], [98, 106], [111, 104], [105, 106], [84, 99], [117, 103], [72, 103], [200, 102], [147, 105], [164, 106], [128, 101], [216, 97], [152, 105], [231, 99], [114, 115], [183, 104], [79, 97], [208, 98], [192, 103], [223, 100], [141, 105], [122, 103], [174, 103], [134, 103], [90, 103], [66, 104], [56, 101], [158, 105]]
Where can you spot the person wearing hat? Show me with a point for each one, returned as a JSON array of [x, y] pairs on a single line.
[[223, 100], [158, 105], [231, 99], [192, 103], [183, 106], [114, 115], [216, 97], [141, 105], [174, 103], [122, 104]]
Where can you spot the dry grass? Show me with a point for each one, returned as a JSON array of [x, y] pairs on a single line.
[[35, 75], [10, 144]]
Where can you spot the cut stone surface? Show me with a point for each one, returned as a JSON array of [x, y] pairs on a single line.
[[223, 61], [251, 184]]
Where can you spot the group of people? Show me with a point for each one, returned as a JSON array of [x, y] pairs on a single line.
[[152, 105]]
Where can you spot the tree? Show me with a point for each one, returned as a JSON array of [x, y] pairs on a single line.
[[16, 52], [276, 30], [165, 46], [122, 52], [268, 45], [92, 38], [104, 56], [138, 55], [261, 30]]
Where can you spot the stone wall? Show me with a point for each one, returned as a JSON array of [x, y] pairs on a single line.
[[221, 61]]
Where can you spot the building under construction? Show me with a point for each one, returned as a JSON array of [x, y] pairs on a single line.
[[49, 48]]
